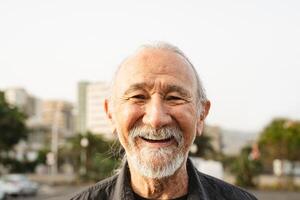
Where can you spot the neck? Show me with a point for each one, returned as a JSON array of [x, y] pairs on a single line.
[[165, 188]]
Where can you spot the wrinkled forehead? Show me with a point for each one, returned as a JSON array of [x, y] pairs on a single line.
[[152, 62]]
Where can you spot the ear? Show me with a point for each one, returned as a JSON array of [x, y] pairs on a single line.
[[203, 115], [108, 111]]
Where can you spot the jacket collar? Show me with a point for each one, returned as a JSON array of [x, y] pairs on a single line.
[[196, 189], [123, 188], [124, 191]]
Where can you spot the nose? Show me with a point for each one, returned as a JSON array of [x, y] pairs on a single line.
[[156, 115]]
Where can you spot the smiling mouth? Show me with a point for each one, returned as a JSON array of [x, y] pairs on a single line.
[[157, 140]]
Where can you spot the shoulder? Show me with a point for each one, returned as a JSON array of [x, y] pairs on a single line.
[[101, 190], [218, 189]]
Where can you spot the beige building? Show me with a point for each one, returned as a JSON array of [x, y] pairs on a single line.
[[91, 115], [58, 114]]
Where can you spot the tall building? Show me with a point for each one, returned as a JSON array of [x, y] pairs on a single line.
[[91, 114], [97, 121]]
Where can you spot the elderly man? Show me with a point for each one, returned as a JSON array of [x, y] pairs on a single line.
[[157, 107]]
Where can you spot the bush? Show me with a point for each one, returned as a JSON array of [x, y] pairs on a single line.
[[245, 168]]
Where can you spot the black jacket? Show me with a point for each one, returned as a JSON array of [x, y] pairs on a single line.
[[201, 187]]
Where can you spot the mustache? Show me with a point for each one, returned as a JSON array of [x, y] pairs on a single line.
[[157, 134]]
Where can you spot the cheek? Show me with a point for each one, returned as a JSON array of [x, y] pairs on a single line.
[[187, 120], [127, 116]]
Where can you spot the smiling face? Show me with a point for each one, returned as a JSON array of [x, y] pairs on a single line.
[[155, 111]]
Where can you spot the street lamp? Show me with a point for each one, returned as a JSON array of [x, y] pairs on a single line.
[[84, 143]]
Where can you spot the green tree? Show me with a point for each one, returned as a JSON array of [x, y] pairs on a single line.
[[12, 125], [281, 140], [102, 156], [245, 168]]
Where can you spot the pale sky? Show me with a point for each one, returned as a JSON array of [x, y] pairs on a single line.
[[246, 52]]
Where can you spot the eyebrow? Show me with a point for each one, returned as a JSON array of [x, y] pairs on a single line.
[[166, 89], [175, 88], [135, 87]]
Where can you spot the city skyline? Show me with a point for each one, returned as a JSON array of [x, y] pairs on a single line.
[[246, 52]]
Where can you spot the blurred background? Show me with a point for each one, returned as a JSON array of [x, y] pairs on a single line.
[[56, 60]]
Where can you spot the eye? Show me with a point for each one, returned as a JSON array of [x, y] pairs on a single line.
[[138, 97], [173, 98]]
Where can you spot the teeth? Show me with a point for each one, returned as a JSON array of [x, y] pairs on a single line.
[[156, 138]]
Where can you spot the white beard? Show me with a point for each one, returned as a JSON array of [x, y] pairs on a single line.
[[149, 169], [156, 163]]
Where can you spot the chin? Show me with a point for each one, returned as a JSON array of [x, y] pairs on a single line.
[[156, 164]]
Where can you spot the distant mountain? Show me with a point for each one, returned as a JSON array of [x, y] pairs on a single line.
[[233, 141]]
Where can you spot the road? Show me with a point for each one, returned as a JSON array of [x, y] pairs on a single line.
[[66, 192]]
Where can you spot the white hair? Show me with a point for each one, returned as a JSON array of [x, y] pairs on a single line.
[[170, 47], [201, 94]]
